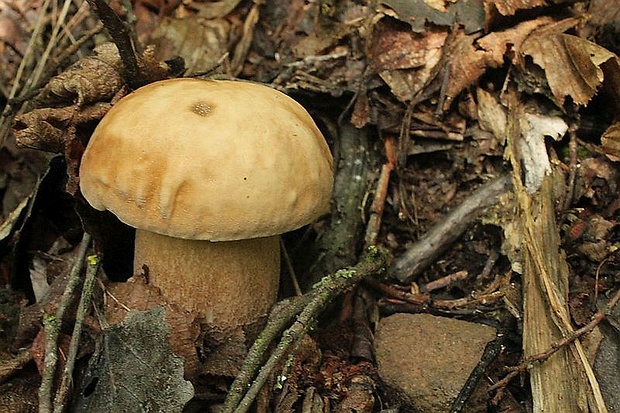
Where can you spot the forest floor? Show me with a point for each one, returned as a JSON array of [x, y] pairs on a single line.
[[470, 260]]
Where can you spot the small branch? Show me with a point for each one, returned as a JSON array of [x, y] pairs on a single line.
[[376, 209], [52, 326], [527, 362], [121, 36], [307, 309], [279, 318], [87, 290], [441, 235]]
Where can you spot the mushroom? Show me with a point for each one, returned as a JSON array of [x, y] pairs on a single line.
[[209, 172]]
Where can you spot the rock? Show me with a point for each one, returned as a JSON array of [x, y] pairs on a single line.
[[427, 359]]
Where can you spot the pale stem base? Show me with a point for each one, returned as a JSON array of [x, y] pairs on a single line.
[[230, 284]]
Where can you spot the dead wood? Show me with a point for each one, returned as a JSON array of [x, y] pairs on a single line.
[[304, 310], [426, 250]]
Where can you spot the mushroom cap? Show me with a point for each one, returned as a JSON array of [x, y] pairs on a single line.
[[210, 160]]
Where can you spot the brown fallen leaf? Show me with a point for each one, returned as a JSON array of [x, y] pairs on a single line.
[[406, 61], [91, 79], [470, 56], [510, 7], [48, 129], [468, 14], [610, 142], [572, 65]]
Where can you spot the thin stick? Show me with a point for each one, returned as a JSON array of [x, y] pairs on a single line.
[[426, 250], [52, 325], [121, 35], [528, 362], [87, 290], [38, 72], [321, 295], [378, 203], [28, 55]]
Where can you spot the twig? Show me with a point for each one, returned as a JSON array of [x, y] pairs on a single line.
[[376, 209], [528, 362], [444, 281], [52, 325], [279, 318], [5, 119], [87, 290], [491, 352], [441, 235], [121, 35], [308, 308], [51, 44]]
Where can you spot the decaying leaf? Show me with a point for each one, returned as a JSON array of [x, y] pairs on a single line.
[[201, 42], [468, 13], [405, 60], [48, 129], [466, 64], [471, 56], [94, 78], [610, 142], [134, 370], [510, 7], [572, 65]]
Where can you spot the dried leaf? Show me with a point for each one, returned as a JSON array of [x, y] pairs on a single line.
[[91, 79], [510, 7], [500, 44], [470, 57], [610, 141], [572, 65], [201, 42], [468, 13], [49, 129], [135, 294], [406, 61], [466, 65], [134, 370]]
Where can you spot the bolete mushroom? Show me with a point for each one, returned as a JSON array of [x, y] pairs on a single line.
[[209, 173]]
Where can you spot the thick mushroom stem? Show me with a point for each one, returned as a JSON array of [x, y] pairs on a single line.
[[229, 284]]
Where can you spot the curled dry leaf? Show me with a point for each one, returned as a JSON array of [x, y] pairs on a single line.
[[572, 65], [470, 57], [610, 141], [47, 129], [405, 60], [468, 14], [510, 7], [94, 78]]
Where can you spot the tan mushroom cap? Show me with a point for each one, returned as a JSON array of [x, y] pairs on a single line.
[[210, 160]]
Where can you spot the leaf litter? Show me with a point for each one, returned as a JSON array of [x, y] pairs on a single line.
[[466, 90]]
